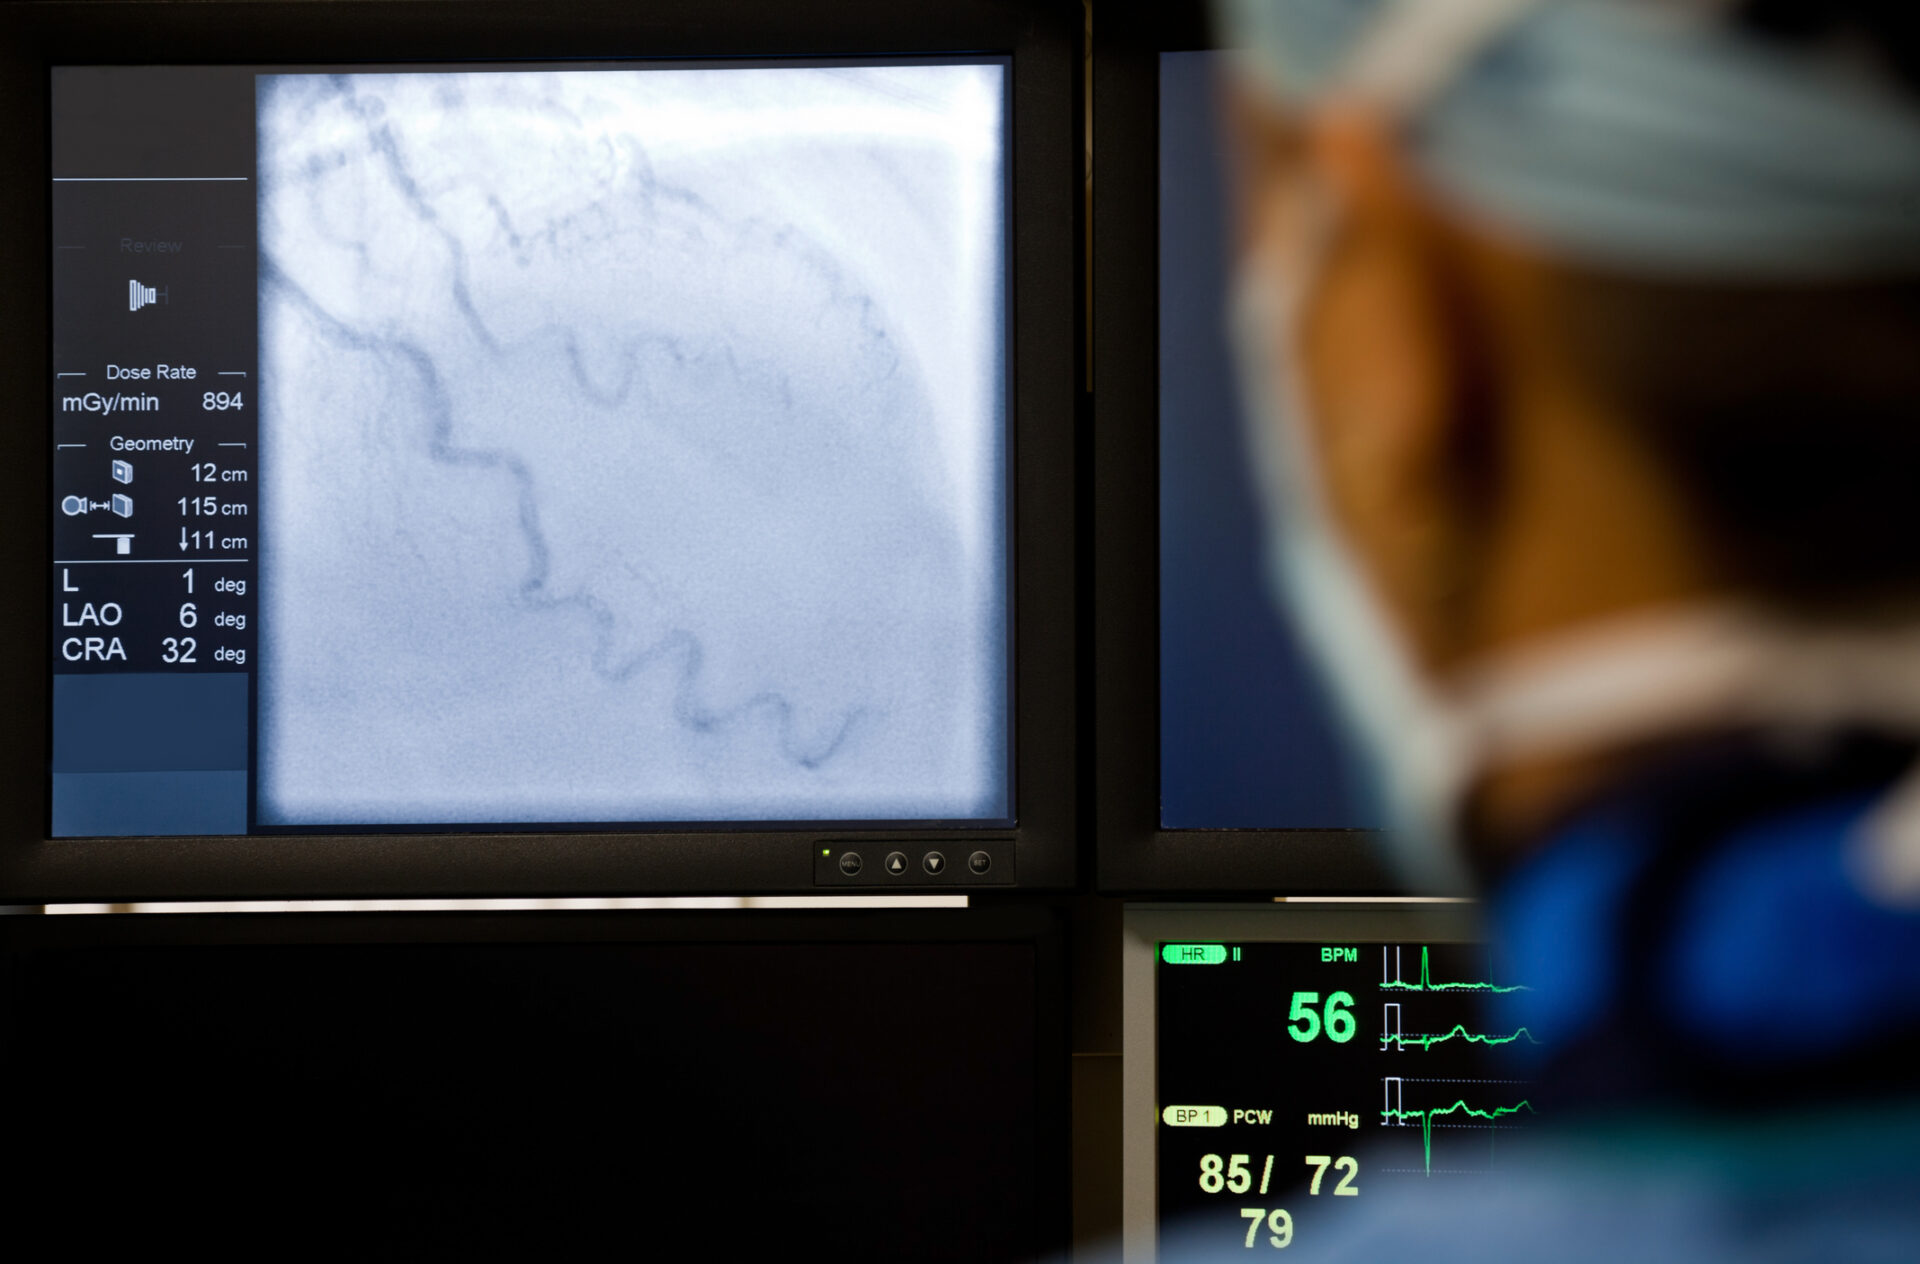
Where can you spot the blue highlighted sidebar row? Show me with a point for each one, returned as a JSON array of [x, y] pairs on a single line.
[[150, 753]]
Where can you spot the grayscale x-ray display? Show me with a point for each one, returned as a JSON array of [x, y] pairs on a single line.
[[633, 446]]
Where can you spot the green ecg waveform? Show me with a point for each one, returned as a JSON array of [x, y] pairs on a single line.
[[1458, 1033], [1426, 983], [1426, 1118]]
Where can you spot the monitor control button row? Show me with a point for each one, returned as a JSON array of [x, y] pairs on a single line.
[[914, 863]]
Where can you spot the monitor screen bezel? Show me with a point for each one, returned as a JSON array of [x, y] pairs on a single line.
[[1134, 853], [1144, 927], [1042, 40]]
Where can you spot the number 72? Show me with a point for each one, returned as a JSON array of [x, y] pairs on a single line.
[[1350, 1166]]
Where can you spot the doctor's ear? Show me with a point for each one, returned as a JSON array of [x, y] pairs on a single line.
[[1387, 356]]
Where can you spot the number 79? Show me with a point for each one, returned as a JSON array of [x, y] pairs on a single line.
[[1279, 1225]]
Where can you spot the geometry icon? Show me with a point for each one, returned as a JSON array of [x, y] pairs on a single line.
[[122, 471], [119, 503]]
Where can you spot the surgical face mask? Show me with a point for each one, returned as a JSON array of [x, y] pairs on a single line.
[[1396, 723]]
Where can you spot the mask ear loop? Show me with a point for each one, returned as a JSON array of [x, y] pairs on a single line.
[[1270, 303]]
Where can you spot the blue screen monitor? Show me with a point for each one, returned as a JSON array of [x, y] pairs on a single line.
[[1220, 765], [1246, 740]]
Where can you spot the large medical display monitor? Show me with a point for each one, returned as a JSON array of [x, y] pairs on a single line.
[[1221, 765], [612, 447]]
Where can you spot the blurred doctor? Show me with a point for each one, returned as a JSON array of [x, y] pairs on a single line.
[[1582, 340]]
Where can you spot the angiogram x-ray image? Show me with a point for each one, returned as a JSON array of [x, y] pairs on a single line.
[[633, 445]]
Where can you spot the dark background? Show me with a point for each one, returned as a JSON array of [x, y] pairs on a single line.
[[826, 1083]]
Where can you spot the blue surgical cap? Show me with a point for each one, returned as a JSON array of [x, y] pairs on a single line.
[[1651, 138]]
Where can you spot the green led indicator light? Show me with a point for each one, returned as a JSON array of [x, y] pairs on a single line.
[[1193, 954], [826, 851]]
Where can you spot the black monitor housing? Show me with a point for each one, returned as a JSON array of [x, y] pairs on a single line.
[[1041, 43]]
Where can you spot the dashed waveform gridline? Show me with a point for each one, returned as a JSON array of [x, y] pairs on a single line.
[[633, 446]]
